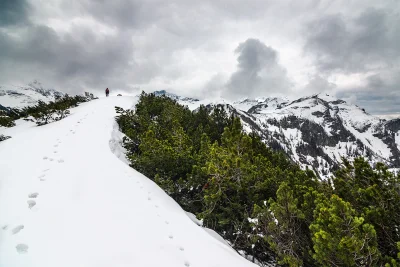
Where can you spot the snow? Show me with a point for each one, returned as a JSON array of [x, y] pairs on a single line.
[[209, 231], [368, 138], [217, 237], [115, 144], [272, 128], [18, 96], [310, 159], [246, 104], [194, 219], [67, 200], [293, 138]]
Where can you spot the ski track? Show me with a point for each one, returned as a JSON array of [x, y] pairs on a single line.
[[67, 200]]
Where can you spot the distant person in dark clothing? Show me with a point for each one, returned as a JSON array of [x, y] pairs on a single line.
[[107, 92]]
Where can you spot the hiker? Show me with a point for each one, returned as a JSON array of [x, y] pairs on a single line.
[[107, 92]]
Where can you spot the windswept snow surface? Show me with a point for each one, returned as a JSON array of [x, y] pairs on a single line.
[[67, 200]]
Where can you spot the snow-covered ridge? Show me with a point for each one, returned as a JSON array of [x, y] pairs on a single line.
[[75, 203], [16, 96], [318, 130]]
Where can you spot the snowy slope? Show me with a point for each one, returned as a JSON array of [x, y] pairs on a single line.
[[20, 96], [67, 200]]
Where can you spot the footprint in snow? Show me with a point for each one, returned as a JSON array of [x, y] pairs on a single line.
[[156, 206], [31, 203], [46, 170], [45, 158], [51, 159], [166, 222], [187, 264], [149, 198], [60, 161], [41, 177], [33, 195], [4, 227], [181, 248], [16, 229], [22, 248], [55, 151], [56, 145], [171, 237]]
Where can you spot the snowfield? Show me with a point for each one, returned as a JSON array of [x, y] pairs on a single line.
[[67, 199]]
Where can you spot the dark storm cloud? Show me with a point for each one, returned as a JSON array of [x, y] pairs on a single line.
[[258, 71], [122, 13], [139, 13], [186, 45], [13, 12], [365, 45], [380, 94], [366, 42], [79, 56]]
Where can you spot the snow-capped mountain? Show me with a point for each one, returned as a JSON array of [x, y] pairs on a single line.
[[20, 96], [176, 97], [317, 131]]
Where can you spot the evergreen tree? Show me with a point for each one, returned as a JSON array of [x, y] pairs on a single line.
[[205, 161], [44, 113], [374, 193], [341, 238]]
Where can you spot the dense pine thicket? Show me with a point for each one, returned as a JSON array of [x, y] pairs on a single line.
[[44, 113], [263, 204]]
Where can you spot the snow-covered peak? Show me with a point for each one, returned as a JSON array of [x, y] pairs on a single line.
[[266, 103], [175, 97], [317, 108], [18, 96], [246, 103]]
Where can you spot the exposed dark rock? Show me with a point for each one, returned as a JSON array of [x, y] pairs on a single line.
[[3, 137]]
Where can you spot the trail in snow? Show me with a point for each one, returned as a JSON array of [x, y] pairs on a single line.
[[67, 200]]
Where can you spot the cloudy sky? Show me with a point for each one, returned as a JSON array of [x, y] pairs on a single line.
[[209, 48]]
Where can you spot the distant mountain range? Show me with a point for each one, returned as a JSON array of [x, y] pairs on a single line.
[[315, 131], [20, 96]]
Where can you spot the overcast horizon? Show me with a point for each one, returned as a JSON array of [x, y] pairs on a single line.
[[232, 49]]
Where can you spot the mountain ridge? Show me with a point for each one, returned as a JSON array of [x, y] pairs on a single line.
[[316, 131], [18, 96]]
